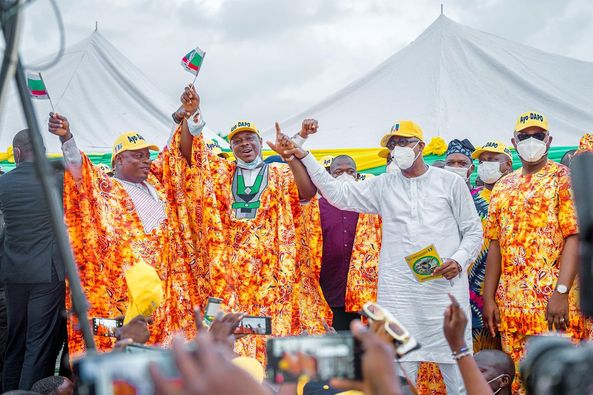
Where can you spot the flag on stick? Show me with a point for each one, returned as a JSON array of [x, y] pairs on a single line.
[[37, 87], [192, 62]]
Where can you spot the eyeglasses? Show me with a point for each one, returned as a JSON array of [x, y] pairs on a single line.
[[400, 143], [539, 136]]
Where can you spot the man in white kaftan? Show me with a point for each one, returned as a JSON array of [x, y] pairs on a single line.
[[420, 206]]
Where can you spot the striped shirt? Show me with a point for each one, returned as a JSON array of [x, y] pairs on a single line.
[[149, 206]]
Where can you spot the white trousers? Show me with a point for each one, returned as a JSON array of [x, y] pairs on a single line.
[[449, 371]]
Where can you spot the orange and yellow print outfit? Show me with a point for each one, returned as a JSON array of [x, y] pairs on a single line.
[[263, 266], [107, 237], [530, 216]]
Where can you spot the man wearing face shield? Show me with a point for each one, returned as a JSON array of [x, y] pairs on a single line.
[[251, 224], [419, 206], [533, 257], [459, 159], [495, 161]]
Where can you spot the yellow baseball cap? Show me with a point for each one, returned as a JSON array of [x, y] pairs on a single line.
[[403, 129], [384, 153], [242, 126], [492, 146], [529, 119], [130, 141], [145, 291], [327, 160]]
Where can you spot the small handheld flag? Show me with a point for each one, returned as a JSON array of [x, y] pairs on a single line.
[[37, 88], [192, 62]]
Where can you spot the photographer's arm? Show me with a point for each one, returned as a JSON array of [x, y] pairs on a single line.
[[454, 328]]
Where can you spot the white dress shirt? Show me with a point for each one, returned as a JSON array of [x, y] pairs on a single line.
[[434, 208]]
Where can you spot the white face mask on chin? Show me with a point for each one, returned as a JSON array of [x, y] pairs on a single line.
[[257, 162], [489, 172], [460, 171], [404, 157], [532, 149]]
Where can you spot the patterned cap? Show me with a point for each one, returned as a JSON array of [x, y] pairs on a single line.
[[464, 147]]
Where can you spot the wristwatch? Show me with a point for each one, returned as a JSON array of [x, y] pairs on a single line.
[[561, 289]]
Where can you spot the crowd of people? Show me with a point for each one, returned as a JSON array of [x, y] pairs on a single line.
[[304, 243]]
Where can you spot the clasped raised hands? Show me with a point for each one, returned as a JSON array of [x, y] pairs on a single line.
[[286, 147]]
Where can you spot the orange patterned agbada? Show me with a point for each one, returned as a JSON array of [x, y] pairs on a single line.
[[107, 237], [263, 266]]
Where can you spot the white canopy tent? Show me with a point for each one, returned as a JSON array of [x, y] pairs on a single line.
[[457, 82], [103, 94]]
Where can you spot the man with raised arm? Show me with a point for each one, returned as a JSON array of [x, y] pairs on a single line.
[[250, 221], [130, 221], [420, 206]]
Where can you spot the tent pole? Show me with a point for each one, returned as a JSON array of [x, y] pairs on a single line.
[[442, 9]]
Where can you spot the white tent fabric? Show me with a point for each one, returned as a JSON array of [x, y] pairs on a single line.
[[103, 94], [457, 82]]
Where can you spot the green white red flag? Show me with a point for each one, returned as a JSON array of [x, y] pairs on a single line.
[[37, 86], [192, 62]]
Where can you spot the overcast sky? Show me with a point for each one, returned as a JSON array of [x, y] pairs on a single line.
[[269, 59]]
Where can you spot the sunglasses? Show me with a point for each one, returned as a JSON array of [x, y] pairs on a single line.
[[539, 136], [404, 342], [392, 326]]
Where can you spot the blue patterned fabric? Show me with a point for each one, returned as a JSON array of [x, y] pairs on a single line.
[[477, 269]]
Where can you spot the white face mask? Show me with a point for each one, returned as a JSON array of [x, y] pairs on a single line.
[[489, 172], [532, 149], [404, 157], [460, 171], [392, 168], [257, 162]]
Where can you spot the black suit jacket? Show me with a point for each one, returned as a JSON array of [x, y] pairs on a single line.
[[29, 247]]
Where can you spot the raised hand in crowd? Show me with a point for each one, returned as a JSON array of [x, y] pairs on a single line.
[[223, 327], [190, 102], [207, 370], [281, 144], [308, 127], [136, 330], [454, 329], [378, 367], [285, 147], [59, 125]]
